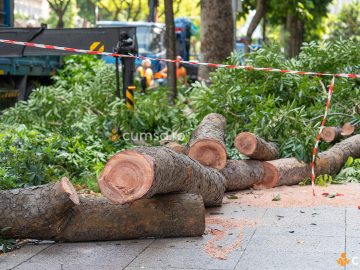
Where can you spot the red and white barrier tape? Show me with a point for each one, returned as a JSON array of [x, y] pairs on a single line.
[[51, 47], [313, 176]]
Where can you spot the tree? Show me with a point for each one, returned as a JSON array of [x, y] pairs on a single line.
[[59, 7], [217, 33], [170, 48], [87, 10], [347, 24], [260, 14], [126, 10]]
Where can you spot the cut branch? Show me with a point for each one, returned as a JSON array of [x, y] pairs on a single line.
[[331, 134]]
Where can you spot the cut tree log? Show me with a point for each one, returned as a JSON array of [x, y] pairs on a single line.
[[175, 215], [39, 212], [255, 147], [178, 148], [207, 142], [347, 129], [242, 174], [285, 171], [290, 171], [146, 171], [331, 134], [331, 161]]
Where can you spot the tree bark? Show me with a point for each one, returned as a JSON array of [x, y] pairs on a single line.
[[146, 171], [290, 171], [296, 29], [332, 160], [176, 215], [331, 134], [170, 49], [39, 212], [260, 13], [217, 33], [242, 174], [347, 129], [285, 171], [207, 142], [255, 147]]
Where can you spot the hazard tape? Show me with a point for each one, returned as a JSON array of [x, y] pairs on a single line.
[[313, 176], [285, 71]]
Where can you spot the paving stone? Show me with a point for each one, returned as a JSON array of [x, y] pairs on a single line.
[[354, 258], [119, 253], [16, 257], [352, 230], [185, 258], [293, 243], [237, 211], [353, 245], [38, 266], [287, 261]]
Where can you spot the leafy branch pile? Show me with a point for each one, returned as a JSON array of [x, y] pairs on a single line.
[[72, 127]]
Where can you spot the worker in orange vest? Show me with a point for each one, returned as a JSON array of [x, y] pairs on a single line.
[[181, 73], [146, 75]]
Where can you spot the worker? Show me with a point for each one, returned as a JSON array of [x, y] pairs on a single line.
[[181, 74], [146, 75]]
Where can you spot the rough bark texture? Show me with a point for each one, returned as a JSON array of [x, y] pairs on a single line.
[[255, 147], [207, 142], [176, 215], [332, 160], [146, 171], [290, 171], [331, 134], [347, 129], [217, 33], [39, 212], [242, 174]]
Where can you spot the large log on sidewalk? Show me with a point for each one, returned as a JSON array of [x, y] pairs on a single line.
[[174, 215], [145, 171], [39, 212], [206, 144], [331, 134], [290, 171], [242, 174], [255, 147]]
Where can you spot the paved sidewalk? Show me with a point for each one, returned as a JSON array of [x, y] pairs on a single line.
[[237, 237]]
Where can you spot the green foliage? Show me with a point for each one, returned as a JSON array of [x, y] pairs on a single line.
[[350, 172], [347, 24], [6, 245], [281, 107]]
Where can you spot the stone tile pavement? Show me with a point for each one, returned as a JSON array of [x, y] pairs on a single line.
[[283, 238]]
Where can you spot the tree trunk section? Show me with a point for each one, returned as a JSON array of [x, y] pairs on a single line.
[[242, 174], [38, 212], [255, 147], [260, 13], [175, 215], [146, 171], [331, 134], [170, 49], [285, 171], [207, 142], [332, 160], [290, 171], [347, 129], [296, 29], [217, 33]]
